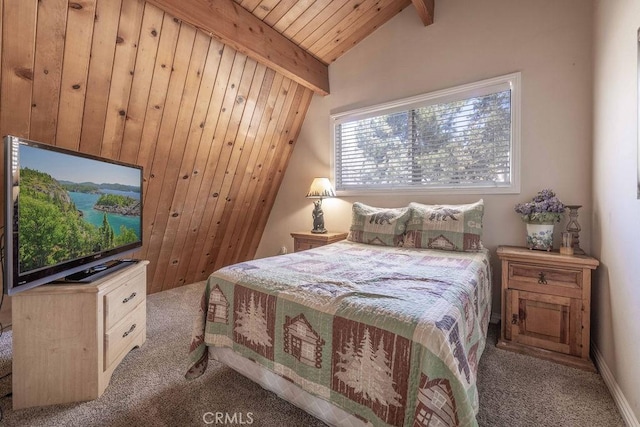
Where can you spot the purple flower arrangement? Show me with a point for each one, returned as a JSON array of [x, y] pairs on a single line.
[[545, 207]]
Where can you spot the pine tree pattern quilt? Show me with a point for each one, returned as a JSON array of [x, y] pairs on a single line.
[[391, 335]]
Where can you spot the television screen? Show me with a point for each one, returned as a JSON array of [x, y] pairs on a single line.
[[65, 212]]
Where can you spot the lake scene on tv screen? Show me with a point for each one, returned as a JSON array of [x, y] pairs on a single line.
[[71, 207]]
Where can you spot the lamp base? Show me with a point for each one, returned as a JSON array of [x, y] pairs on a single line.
[[318, 218]]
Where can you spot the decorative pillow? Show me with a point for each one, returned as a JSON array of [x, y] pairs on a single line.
[[378, 226], [447, 227]]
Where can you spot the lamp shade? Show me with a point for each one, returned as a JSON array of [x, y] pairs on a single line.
[[321, 188]]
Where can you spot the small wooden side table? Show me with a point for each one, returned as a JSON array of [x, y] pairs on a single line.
[[304, 240], [546, 305]]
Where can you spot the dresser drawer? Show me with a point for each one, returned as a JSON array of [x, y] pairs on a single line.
[[546, 279], [118, 340], [122, 300]]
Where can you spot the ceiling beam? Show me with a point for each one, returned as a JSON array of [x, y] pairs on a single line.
[[238, 28], [425, 10]]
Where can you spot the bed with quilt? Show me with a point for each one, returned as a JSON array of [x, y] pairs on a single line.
[[380, 328]]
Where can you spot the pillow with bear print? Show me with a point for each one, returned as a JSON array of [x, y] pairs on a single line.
[[378, 226], [446, 227]]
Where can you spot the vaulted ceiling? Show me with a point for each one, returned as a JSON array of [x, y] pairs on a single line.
[[298, 38], [207, 95]]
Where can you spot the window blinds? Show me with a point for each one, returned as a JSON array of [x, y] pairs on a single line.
[[461, 143]]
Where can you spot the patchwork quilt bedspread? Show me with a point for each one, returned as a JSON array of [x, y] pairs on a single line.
[[391, 335]]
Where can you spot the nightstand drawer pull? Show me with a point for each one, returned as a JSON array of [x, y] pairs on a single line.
[[131, 329], [514, 319], [541, 279], [126, 300]]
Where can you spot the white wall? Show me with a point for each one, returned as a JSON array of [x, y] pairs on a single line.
[[549, 41], [616, 210]]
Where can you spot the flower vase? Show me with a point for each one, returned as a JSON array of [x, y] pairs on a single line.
[[540, 236]]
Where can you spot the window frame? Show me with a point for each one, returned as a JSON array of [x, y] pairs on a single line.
[[511, 82]]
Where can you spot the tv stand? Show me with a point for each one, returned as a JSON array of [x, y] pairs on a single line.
[[68, 339], [94, 273]]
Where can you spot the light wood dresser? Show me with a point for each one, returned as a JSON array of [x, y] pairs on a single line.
[[546, 305], [69, 338], [304, 240]]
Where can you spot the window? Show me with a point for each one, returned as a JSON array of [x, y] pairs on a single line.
[[463, 139]]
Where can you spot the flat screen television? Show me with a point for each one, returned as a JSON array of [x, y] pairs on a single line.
[[67, 214]]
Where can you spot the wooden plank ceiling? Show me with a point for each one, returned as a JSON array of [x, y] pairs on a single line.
[[212, 120]]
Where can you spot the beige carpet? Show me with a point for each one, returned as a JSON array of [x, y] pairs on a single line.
[[149, 389]]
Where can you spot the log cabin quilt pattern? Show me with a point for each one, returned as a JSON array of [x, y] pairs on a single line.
[[391, 335]]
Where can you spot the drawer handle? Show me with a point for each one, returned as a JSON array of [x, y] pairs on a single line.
[[126, 300], [131, 329], [514, 319], [541, 279]]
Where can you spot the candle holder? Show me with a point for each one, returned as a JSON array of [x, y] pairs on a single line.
[[574, 228]]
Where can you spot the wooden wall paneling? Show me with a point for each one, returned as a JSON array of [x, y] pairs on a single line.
[[219, 223], [208, 193], [272, 139], [250, 5], [251, 109], [257, 129], [226, 239], [148, 43], [292, 14], [228, 116], [264, 8], [310, 18], [291, 7], [18, 49], [75, 69], [51, 27], [198, 189], [346, 24], [122, 77], [264, 138], [162, 144], [206, 263], [326, 20], [165, 185], [105, 31], [225, 121], [157, 95], [282, 155], [196, 149], [234, 99], [245, 181], [353, 34]]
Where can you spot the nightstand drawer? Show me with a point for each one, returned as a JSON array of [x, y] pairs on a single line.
[[543, 278], [303, 245], [118, 339], [122, 300], [304, 240]]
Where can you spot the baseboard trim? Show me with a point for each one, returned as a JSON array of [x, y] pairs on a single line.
[[618, 396]]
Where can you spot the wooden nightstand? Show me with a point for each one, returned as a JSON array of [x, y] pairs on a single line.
[[304, 240], [546, 305]]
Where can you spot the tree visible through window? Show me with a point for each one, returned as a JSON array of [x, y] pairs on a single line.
[[460, 138]]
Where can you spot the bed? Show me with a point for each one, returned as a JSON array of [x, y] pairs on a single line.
[[353, 332]]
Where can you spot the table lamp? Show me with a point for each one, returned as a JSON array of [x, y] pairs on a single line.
[[320, 188]]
